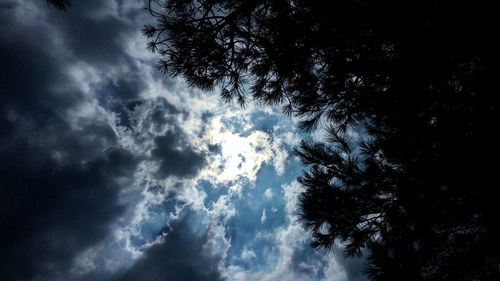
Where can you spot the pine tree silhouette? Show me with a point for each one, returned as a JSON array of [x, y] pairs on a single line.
[[413, 188], [60, 4]]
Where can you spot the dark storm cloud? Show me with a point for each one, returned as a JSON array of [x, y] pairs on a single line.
[[175, 158], [126, 87], [180, 257], [36, 92], [91, 37], [97, 40], [27, 73], [50, 212], [58, 186], [60, 183]]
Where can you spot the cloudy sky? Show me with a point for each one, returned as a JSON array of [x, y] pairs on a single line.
[[112, 171]]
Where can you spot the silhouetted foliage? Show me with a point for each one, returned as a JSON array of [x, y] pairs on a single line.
[[407, 92], [60, 4]]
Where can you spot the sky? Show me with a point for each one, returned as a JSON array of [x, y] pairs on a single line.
[[110, 170]]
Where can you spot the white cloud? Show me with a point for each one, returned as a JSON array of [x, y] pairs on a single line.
[[247, 254], [280, 157], [291, 194], [263, 218], [223, 209], [268, 193], [290, 240]]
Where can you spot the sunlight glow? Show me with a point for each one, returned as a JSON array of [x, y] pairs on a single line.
[[240, 156]]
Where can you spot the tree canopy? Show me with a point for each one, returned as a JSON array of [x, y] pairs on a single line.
[[407, 94], [60, 4]]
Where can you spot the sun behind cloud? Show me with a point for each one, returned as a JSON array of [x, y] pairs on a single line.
[[240, 156]]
